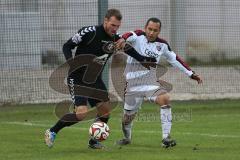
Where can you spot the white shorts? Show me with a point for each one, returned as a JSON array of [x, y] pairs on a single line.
[[135, 95]]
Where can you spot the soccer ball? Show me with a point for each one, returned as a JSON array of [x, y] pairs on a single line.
[[99, 131]]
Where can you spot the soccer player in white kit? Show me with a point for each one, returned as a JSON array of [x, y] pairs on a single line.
[[143, 83]]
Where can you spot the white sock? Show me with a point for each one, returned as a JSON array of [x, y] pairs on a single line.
[[166, 119], [127, 130]]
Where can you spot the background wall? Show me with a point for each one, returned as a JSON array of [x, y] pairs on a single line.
[[205, 33]]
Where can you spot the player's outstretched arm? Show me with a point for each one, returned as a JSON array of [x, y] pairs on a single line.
[[177, 62]]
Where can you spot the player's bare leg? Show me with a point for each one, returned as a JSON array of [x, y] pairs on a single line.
[[166, 119]]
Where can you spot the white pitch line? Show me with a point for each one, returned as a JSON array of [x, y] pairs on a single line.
[[139, 131], [212, 135]]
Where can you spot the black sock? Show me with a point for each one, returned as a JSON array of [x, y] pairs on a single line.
[[67, 120], [102, 119], [92, 141]]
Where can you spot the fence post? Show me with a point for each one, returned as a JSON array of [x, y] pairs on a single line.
[[102, 9], [178, 27]]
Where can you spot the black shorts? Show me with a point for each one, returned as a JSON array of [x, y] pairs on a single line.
[[83, 93]]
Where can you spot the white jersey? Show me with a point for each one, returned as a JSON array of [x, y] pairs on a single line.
[[138, 76]]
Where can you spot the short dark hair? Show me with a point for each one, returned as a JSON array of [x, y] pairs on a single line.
[[114, 13], [155, 20]]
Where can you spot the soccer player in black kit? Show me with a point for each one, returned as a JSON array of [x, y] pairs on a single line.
[[96, 43]]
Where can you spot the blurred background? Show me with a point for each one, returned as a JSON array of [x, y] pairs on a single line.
[[204, 33]]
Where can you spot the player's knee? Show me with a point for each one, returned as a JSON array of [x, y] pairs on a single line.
[[81, 112], [103, 109], [163, 99]]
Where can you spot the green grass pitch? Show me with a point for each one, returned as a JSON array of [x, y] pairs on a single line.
[[204, 130]]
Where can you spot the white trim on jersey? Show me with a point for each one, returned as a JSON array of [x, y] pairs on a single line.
[[77, 38], [143, 88], [137, 74]]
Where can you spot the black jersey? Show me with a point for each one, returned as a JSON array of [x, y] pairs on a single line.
[[90, 40], [94, 41]]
